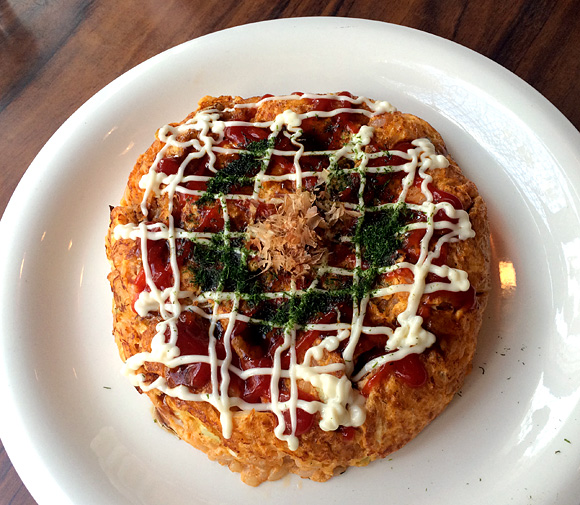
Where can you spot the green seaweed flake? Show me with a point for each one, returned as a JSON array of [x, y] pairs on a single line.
[[379, 235], [259, 148], [299, 309], [239, 172], [340, 176], [218, 265], [366, 281]]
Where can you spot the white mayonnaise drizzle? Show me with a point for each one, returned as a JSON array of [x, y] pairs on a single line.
[[340, 403]]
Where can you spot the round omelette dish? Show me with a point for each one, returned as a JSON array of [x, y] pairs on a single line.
[[298, 280]]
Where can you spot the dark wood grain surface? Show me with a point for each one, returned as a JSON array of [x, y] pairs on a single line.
[[55, 54]]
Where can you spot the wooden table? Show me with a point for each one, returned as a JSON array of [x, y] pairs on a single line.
[[55, 54]]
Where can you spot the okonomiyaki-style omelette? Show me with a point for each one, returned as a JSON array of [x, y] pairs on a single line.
[[298, 280]]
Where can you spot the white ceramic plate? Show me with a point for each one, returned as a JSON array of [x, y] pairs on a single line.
[[79, 434]]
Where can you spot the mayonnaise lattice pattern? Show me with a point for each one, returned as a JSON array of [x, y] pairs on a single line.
[[339, 402]]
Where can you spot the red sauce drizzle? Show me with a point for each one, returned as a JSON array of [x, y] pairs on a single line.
[[440, 196], [211, 219], [256, 388], [409, 370], [347, 432], [169, 166], [304, 420], [158, 258], [241, 136], [193, 339], [160, 266]]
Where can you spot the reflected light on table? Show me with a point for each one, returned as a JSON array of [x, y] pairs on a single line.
[[507, 275], [22, 266], [128, 148], [110, 132]]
